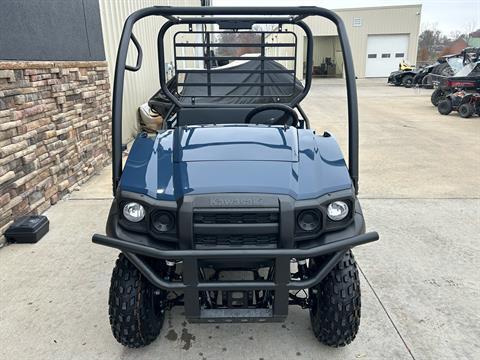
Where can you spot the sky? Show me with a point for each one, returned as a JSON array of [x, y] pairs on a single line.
[[444, 15]]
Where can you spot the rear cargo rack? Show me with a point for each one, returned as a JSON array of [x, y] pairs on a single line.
[[269, 48], [259, 49]]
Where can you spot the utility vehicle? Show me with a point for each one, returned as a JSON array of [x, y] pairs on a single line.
[[236, 208], [403, 76], [464, 102], [433, 75], [468, 78], [422, 78], [463, 73]]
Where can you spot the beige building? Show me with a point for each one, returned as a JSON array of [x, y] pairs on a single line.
[[380, 37], [140, 85]]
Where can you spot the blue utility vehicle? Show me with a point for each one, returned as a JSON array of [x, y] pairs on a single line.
[[235, 208]]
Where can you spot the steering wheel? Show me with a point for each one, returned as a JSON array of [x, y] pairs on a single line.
[[282, 120]]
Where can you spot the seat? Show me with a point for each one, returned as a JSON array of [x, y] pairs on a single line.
[[205, 116], [220, 116]]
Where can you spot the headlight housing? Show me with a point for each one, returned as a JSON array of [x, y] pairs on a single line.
[[309, 220], [134, 212], [337, 210], [163, 221]]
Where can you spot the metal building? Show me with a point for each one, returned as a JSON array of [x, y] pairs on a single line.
[[141, 85], [380, 37]]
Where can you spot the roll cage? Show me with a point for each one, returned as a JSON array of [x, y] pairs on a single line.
[[232, 19]]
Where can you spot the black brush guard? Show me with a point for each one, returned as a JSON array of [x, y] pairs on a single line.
[[192, 286]]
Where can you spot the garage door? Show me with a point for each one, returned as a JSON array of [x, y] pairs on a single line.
[[384, 52]]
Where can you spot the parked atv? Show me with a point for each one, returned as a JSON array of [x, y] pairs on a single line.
[[459, 67], [422, 78], [444, 67], [468, 78], [449, 65], [430, 76], [236, 208], [404, 76], [465, 103]]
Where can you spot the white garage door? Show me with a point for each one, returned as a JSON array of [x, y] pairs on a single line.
[[384, 52]]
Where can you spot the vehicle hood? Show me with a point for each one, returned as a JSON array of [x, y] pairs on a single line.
[[235, 143], [235, 159]]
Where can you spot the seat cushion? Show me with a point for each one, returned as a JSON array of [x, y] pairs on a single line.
[[205, 116]]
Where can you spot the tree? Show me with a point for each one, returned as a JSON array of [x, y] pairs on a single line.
[[457, 34], [423, 55], [431, 42], [470, 26], [240, 38]]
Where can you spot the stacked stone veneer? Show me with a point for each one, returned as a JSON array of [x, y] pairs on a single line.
[[54, 132]]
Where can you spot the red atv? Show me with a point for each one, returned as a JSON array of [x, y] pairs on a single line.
[[465, 103], [468, 78]]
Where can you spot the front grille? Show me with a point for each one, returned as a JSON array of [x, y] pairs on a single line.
[[235, 218], [236, 227], [236, 240]]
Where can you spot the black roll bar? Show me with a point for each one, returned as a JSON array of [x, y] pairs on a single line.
[[293, 15]]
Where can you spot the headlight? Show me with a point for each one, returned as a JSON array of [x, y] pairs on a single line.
[[163, 221], [337, 210], [309, 220], [133, 212]]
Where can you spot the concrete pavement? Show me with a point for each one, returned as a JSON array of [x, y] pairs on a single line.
[[420, 179]]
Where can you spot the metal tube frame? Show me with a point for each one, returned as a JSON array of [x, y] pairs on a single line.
[[286, 15], [192, 285], [207, 58]]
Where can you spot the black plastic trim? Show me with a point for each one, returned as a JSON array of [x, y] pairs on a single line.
[[287, 207]]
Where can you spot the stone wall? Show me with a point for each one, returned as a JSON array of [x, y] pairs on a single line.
[[54, 132]]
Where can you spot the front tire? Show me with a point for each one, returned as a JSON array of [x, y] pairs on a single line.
[[466, 110], [336, 303], [445, 107], [407, 81], [135, 306], [437, 96], [427, 82]]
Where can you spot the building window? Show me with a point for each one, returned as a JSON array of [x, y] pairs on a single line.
[[384, 56], [372, 56], [357, 21], [399, 55]]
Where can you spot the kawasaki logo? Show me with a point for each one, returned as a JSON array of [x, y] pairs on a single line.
[[236, 202]]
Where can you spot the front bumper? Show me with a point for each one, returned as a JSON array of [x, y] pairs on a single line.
[[281, 257], [333, 244]]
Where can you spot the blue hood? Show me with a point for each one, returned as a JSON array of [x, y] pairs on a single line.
[[235, 159]]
